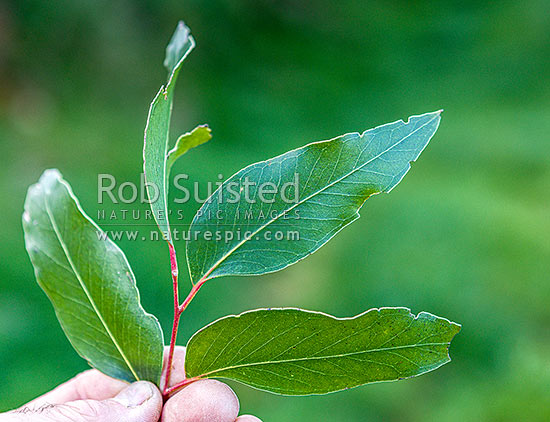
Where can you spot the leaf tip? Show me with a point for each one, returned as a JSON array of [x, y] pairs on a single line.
[[46, 181], [205, 127], [180, 45], [50, 174]]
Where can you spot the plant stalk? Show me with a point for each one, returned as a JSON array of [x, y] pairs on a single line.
[[169, 391], [174, 270], [178, 310]]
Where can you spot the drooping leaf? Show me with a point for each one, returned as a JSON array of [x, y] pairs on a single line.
[[300, 200], [296, 352], [90, 284], [185, 142], [158, 126]]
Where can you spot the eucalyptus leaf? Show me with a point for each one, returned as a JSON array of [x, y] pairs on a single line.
[[158, 127], [90, 284], [296, 352], [185, 142], [274, 213]]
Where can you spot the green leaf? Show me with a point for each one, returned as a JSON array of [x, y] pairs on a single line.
[[185, 142], [90, 284], [158, 126], [242, 230], [296, 352]]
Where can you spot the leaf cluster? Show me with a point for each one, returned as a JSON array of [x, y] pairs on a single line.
[[284, 351]]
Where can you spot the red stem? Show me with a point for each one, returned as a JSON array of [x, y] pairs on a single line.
[[169, 391], [177, 314], [192, 294], [178, 310]]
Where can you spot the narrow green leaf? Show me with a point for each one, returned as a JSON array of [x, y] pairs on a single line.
[[185, 142], [296, 352], [158, 126], [312, 193], [90, 284]]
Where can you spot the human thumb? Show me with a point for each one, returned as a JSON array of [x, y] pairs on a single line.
[[139, 402]]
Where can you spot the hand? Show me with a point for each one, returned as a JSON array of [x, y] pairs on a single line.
[[202, 401], [94, 397]]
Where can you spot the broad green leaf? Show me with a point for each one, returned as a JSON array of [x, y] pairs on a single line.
[[185, 142], [296, 352], [312, 193], [90, 284], [158, 126]]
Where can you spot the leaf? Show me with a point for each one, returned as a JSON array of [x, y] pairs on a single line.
[[319, 190], [158, 126], [90, 284], [185, 142], [295, 352]]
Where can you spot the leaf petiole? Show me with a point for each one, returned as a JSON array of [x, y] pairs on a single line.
[[169, 391]]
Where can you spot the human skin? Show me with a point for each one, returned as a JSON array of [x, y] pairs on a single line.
[[94, 397]]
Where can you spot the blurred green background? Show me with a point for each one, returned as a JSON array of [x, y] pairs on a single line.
[[465, 236]]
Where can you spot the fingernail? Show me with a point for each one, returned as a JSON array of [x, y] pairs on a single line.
[[135, 395]]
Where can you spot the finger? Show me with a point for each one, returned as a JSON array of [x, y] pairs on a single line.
[[88, 385], [139, 402], [178, 371], [247, 418], [202, 401], [142, 402]]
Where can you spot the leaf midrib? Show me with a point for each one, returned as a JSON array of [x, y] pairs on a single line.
[[242, 242], [85, 289], [342, 355]]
